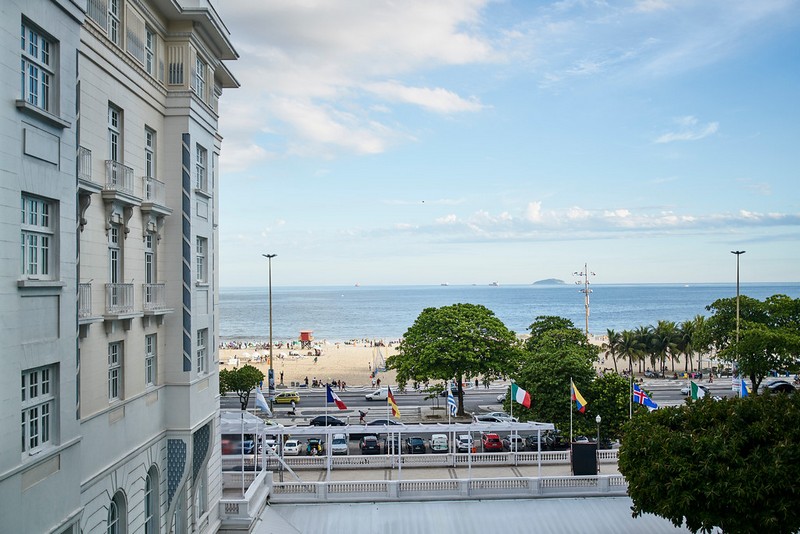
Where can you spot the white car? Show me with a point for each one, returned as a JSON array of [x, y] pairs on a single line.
[[339, 444], [438, 443], [378, 394], [502, 415], [463, 443], [291, 447], [502, 397]]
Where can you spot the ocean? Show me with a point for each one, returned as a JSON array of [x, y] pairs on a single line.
[[386, 312]]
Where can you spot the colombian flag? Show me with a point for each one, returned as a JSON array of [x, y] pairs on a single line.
[[580, 402], [393, 404]]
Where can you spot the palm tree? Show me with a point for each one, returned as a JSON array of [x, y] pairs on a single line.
[[664, 338], [684, 344], [700, 341], [644, 336], [612, 346], [628, 347]]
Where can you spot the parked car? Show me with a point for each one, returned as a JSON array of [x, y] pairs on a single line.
[[415, 445], [378, 394], [392, 444], [370, 445], [339, 444], [286, 397], [491, 442], [291, 447], [314, 446], [463, 443], [778, 386], [502, 416], [438, 443], [514, 443], [326, 420]]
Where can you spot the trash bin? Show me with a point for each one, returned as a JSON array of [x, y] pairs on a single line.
[[584, 458]]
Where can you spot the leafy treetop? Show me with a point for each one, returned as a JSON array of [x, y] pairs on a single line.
[[241, 381]]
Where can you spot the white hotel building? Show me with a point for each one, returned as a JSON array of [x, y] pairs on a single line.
[[108, 265]]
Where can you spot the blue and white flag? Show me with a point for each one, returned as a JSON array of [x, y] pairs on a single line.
[[451, 402], [745, 390], [261, 403], [640, 397]]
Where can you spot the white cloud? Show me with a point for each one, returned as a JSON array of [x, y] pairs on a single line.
[[689, 130], [438, 100]]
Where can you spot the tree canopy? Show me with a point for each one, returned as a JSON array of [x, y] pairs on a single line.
[[241, 381], [729, 464], [455, 342]]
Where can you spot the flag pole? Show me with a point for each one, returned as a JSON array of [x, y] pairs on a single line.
[[571, 403], [630, 403]]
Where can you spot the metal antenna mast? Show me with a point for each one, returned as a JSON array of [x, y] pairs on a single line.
[[585, 274]]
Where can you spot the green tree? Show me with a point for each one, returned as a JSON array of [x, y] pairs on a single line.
[[727, 464], [612, 345], [664, 341], [629, 348], [459, 342], [611, 399], [241, 381]]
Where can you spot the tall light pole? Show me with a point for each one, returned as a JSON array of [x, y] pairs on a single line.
[[585, 274], [271, 377], [597, 420], [738, 253]]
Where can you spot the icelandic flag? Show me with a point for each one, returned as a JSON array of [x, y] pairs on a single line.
[[580, 402], [334, 398], [745, 389], [640, 397], [451, 402], [261, 403]]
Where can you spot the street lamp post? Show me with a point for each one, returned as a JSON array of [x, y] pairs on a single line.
[[271, 377], [586, 291], [738, 253], [597, 420]]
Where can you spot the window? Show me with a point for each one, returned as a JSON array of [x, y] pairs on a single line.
[[201, 495], [200, 168], [37, 69], [113, 21], [149, 51], [199, 81], [117, 516], [37, 237], [114, 134], [202, 352], [114, 255], [150, 360], [149, 153], [151, 501], [115, 371], [202, 257], [38, 407]]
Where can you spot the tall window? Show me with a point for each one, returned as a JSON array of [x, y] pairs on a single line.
[[149, 153], [117, 515], [37, 236], [202, 349], [151, 502], [199, 82], [114, 255], [202, 260], [201, 495], [150, 51], [114, 134], [150, 360], [37, 69], [38, 407], [115, 371], [201, 168], [113, 21]]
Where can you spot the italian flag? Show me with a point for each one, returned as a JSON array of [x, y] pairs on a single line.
[[520, 395]]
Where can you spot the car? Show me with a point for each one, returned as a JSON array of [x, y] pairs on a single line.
[[339, 444], [502, 416], [438, 443], [378, 394], [326, 420], [502, 397], [491, 442], [487, 419], [778, 386], [392, 444], [514, 443], [370, 445], [687, 390], [464, 443], [314, 446], [286, 397], [377, 423], [291, 447], [653, 374], [453, 389], [415, 445]]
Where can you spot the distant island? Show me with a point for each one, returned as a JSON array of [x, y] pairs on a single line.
[[549, 282]]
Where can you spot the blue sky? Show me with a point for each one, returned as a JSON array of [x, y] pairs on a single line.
[[471, 141]]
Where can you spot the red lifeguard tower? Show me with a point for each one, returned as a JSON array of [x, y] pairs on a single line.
[[306, 337]]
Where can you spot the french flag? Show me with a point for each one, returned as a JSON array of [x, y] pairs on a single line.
[[332, 397]]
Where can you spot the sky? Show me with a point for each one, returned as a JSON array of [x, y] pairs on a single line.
[[380, 142]]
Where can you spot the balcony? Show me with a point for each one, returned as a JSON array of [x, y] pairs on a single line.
[[119, 302], [119, 184], [154, 297], [155, 197]]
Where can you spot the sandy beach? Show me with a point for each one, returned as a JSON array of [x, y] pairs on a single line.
[[352, 363]]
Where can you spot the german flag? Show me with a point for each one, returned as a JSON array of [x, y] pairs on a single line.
[[393, 404]]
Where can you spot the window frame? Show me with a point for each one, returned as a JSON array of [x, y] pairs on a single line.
[[37, 238], [149, 152], [201, 168], [199, 81], [38, 398], [114, 22], [115, 371], [151, 502], [38, 68], [150, 359], [201, 257], [150, 51], [202, 351]]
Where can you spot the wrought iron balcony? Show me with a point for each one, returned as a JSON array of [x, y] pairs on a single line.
[[119, 299], [154, 297]]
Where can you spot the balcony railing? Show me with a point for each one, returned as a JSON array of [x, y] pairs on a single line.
[[84, 164], [119, 299], [119, 177], [154, 297], [155, 191], [84, 300]]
